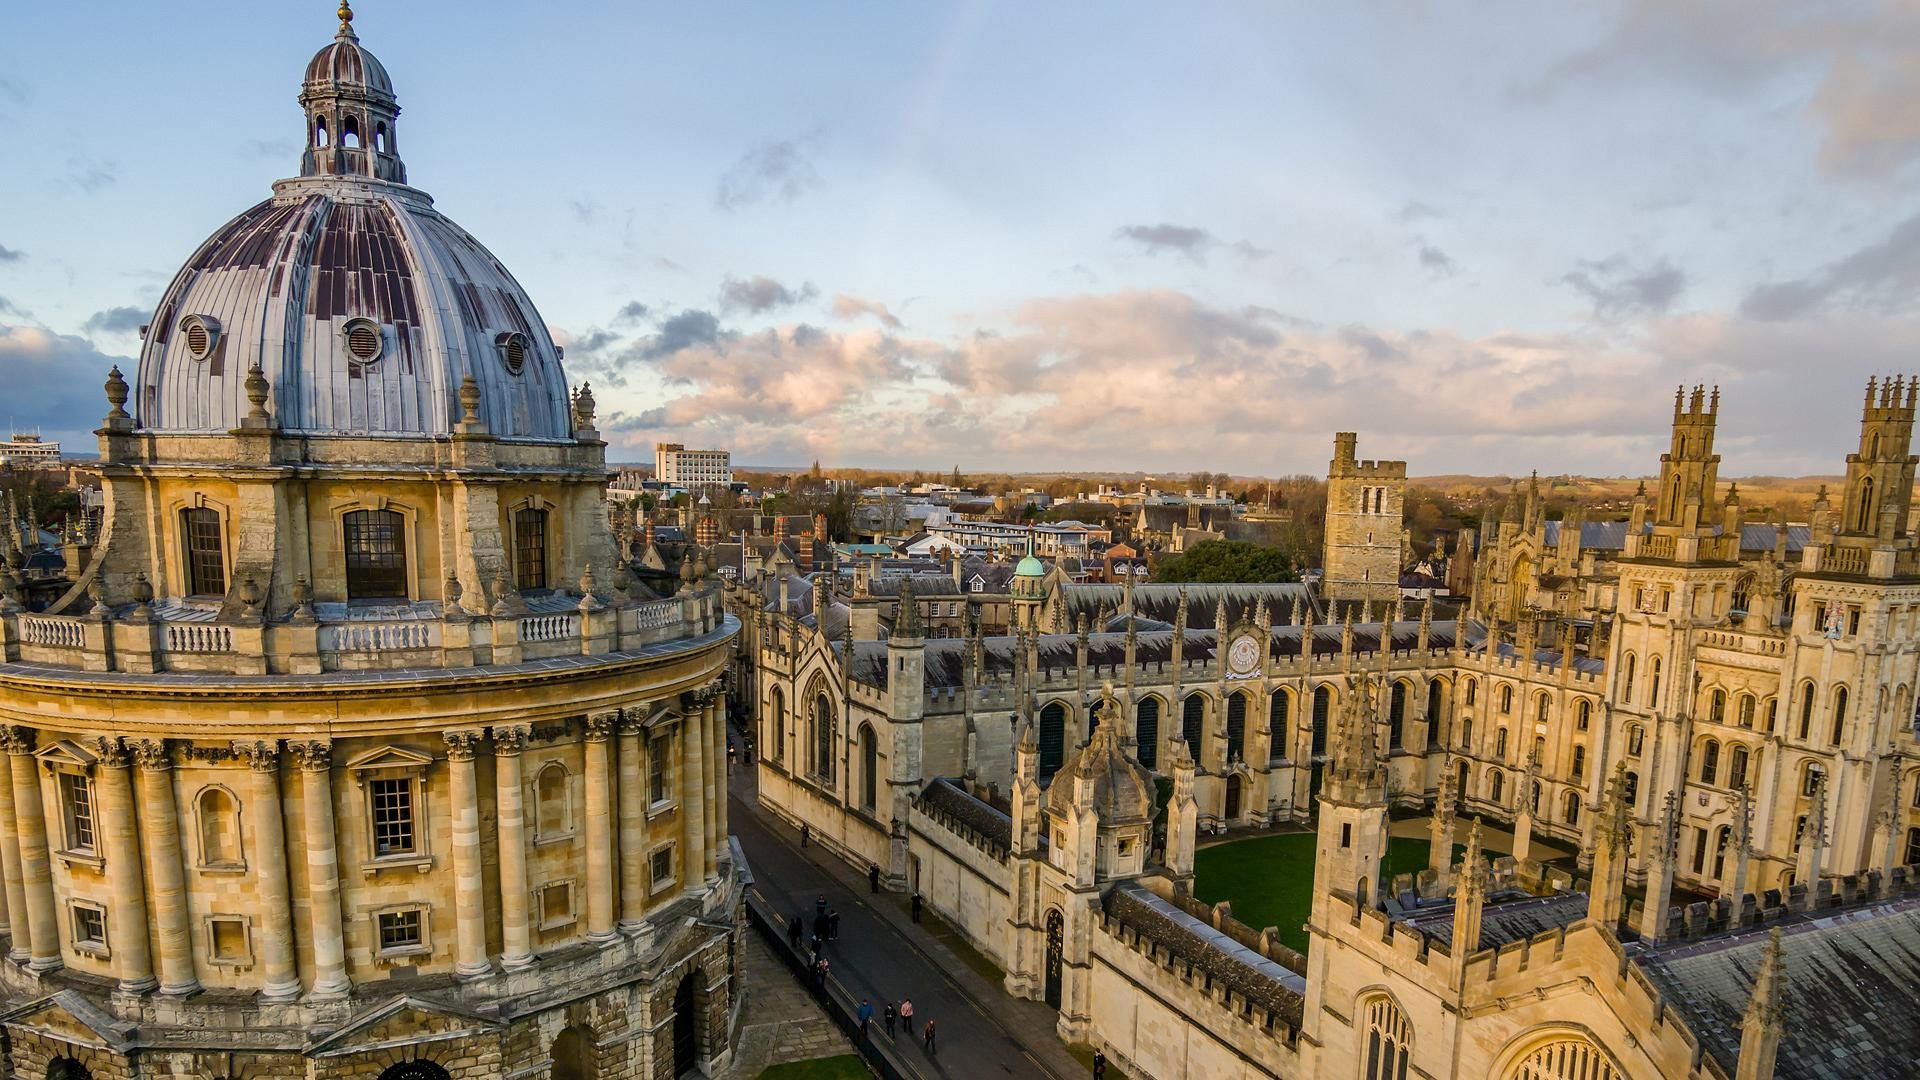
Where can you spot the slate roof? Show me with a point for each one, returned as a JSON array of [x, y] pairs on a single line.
[[1612, 536], [1851, 1010], [1280, 991], [1509, 916], [943, 796], [1160, 601]]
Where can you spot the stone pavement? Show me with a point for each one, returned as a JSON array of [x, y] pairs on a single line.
[[882, 956], [782, 1022]]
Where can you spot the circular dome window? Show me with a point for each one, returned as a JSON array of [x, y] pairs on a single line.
[[202, 333], [513, 350], [364, 340]]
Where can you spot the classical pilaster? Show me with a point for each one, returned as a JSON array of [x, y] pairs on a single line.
[[633, 824], [18, 922], [280, 974], [36, 871], [516, 941], [693, 787], [127, 919], [600, 728], [720, 808], [160, 836], [323, 868], [716, 785], [469, 887]]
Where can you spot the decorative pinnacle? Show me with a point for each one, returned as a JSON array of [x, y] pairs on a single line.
[[346, 18]]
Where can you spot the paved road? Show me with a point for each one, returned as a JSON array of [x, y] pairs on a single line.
[[882, 956]]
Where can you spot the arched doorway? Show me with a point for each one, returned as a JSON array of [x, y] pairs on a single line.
[[66, 1068], [686, 1033], [572, 1055], [1234, 784], [1056, 952], [417, 1069]]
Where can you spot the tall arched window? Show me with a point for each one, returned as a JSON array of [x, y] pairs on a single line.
[[206, 554], [1542, 705], [869, 769], [1147, 732], [1806, 709], [530, 549], [1322, 709], [1496, 785], [1397, 716], [1279, 707], [552, 807], [1653, 683], [1864, 522], [219, 814], [1626, 678], [1389, 1040], [1193, 712], [1630, 789], [823, 736], [1717, 706], [376, 554], [1579, 762], [1636, 736], [1506, 698], [1053, 738], [1582, 714], [1436, 706], [779, 720], [1913, 847], [1473, 690], [1709, 762], [1737, 759], [1571, 808], [1745, 710], [1839, 715], [1500, 744], [1236, 727]]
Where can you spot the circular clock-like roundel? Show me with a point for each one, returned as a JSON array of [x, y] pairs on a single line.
[[1243, 654]]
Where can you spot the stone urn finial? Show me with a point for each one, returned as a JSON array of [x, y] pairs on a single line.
[[250, 595], [117, 395], [469, 399], [302, 599], [256, 386]]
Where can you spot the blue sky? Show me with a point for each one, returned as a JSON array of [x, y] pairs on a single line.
[[1489, 237]]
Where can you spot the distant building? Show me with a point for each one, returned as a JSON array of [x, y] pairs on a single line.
[[28, 451], [676, 465]]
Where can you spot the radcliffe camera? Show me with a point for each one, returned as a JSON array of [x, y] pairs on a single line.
[[1172, 542]]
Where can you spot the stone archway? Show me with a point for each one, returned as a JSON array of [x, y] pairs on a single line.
[[417, 1069], [1236, 785], [67, 1068], [1056, 955], [572, 1054], [686, 1030]]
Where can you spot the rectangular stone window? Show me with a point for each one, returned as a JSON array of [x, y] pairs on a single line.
[[376, 551], [392, 816], [658, 749], [661, 865], [206, 555], [401, 932], [229, 940], [530, 549], [76, 804], [89, 927], [555, 905]]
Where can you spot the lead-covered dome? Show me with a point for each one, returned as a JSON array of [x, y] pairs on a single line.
[[364, 306]]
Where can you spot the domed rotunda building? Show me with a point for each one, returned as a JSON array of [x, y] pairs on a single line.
[[354, 750]]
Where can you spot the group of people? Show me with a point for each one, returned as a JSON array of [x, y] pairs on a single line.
[[891, 1016]]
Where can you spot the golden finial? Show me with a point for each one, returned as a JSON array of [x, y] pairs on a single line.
[[346, 16]]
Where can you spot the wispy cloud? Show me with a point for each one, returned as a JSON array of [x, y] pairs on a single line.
[[1881, 276], [849, 308], [1618, 286], [1415, 210], [118, 320], [630, 312], [778, 171], [759, 294], [1190, 241], [89, 175], [1437, 262], [9, 255]]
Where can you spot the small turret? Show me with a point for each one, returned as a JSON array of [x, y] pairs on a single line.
[[1469, 904], [1765, 1020]]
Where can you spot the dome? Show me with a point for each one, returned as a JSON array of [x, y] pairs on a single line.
[[1122, 787], [364, 306], [1030, 566]]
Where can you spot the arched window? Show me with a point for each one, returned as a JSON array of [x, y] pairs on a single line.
[[1720, 838], [350, 133], [1709, 762], [1193, 712], [380, 137], [870, 769], [1582, 714], [1864, 523], [1473, 689], [1278, 709], [206, 554], [1913, 847], [1147, 731], [552, 806], [1500, 744], [1742, 594], [1839, 716], [1806, 709], [779, 719], [1626, 678], [1496, 785], [1579, 762], [530, 549], [1772, 713], [1810, 779], [1745, 710], [376, 551], [1053, 738], [1653, 683], [1636, 735], [1436, 705], [1236, 727], [1322, 709], [1571, 810], [1737, 759], [1533, 798], [219, 814], [1542, 705], [1389, 1040], [1506, 698], [319, 131], [1397, 716], [1630, 790], [823, 736], [1717, 706]]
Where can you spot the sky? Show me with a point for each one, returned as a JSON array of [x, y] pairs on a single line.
[[1489, 237]]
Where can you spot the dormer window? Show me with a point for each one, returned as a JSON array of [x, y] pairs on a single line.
[[513, 350], [363, 339], [202, 333]]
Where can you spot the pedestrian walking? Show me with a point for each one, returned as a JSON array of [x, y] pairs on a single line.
[[1099, 1065], [806, 833], [820, 905], [873, 877], [906, 1016], [793, 933], [833, 925], [916, 907], [820, 974], [889, 1015], [865, 1014], [929, 1036], [820, 927]]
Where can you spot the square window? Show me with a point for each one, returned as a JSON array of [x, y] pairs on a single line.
[[227, 938], [662, 866], [89, 927], [402, 931], [556, 905], [392, 816]]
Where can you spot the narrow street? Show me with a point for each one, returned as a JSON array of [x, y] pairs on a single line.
[[882, 956]]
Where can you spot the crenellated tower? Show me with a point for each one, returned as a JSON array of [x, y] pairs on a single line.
[[1879, 487], [1365, 500]]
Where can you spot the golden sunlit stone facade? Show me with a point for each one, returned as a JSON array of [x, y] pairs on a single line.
[[353, 751]]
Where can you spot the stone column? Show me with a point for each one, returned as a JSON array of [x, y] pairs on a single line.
[[18, 922], [720, 808], [127, 920], [469, 887], [36, 870], [633, 823], [715, 778], [516, 940], [693, 789], [323, 869], [600, 827], [279, 970], [160, 835]]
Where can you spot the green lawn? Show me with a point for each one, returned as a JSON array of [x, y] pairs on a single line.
[[1269, 879], [843, 1067]]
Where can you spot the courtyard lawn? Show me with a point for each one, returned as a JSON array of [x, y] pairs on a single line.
[[843, 1067], [1269, 879]]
